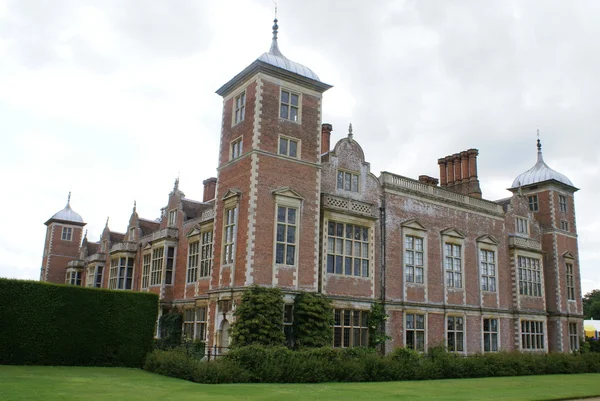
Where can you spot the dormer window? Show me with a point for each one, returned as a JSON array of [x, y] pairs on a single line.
[[347, 181], [289, 106], [522, 226], [132, 234], [239, 108], [172, 218], [104, 246], [67, 233]]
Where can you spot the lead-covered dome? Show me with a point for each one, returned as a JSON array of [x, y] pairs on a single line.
[[67, 214], [275, 58], [540, 172]]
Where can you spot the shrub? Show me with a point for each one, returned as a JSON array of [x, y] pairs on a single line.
[[50, 324], [259, 318], [313, 319], [170, 329]]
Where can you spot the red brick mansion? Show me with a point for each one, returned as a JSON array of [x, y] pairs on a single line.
[[288, 210]]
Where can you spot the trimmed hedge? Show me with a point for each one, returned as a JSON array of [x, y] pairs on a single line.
[[50, 324], [258, 364]]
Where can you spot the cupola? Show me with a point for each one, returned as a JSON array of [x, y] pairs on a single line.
[[540, 173], [67, 215]]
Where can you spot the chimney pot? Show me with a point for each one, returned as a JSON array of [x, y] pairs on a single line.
[[325, 137], [210, 186]]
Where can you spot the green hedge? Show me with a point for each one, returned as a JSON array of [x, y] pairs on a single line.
[[49, 324], [258, 364]]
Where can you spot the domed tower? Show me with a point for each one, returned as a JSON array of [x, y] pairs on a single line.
[[63, 237], [551, 202], [268, 177]]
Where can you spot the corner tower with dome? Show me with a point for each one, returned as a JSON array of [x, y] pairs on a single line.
[[63, 237], [550, 196]]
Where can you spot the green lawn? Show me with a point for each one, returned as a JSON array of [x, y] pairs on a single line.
[[113, 384]]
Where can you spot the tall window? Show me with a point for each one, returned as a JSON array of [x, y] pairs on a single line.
[[347, 181], [573, 337], [350, 328], [285, 241], [530, 277], [121, 273], [533, 203], [189, 316], [169, 265], [230, 232], [570, 282], [532, 335], [453, 260], [413, 259], [172, 218], [522, 226], [67, 233], [347, 249], [562, 203], [91, 272], [193, 253], [487, 262], [290, 102], [99, 272], [146, 270], [455, 334], [240, 108], [200, 333], [236, 148], [415, 332], [113, 274], [288, 147], [206, 255], [490, 335], [156, 267]]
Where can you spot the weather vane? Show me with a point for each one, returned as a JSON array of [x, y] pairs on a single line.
[[275, 2]]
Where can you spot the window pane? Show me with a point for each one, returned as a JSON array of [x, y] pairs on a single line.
[[284, 111], [283, 145], [285, 97], [291, 252], [294, 100], [293, 114], [293, 148]]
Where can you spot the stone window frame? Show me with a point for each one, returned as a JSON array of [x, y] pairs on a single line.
[[172, 218], [193, 260], [573, 331], [415, 330], [289, 105], [453, 237], [490, 333], [525, 292], [121, 274], [569, 261], [146, 266], [487, 243], [353, 174], [362, 327], [236, 148], [238, 108], [533, 201], [562, 204], [74, 277], [66, 233], [533, 335], [93, 275], [455, 331], [522, 226], [231, 202], [207, 239], [289, 199], [413, 228], [157, 262], [564, 225], [288, 140]]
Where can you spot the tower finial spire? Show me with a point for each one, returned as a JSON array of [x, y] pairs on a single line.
[[107, 221], [69, 199], [274, 50], [350, 134], [539, 147], [134, 206]]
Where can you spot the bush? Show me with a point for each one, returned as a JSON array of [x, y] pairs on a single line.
[[313, 318], [260, 364], [258, 318], [50, 324]]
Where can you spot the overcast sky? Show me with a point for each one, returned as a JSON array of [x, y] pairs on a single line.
[[113, 99]]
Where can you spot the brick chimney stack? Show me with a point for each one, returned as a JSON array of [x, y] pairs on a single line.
[[458, 173], [210, 186], [325, 137], [425, 179]]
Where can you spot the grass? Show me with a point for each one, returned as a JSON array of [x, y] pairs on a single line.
[[112, 384]]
